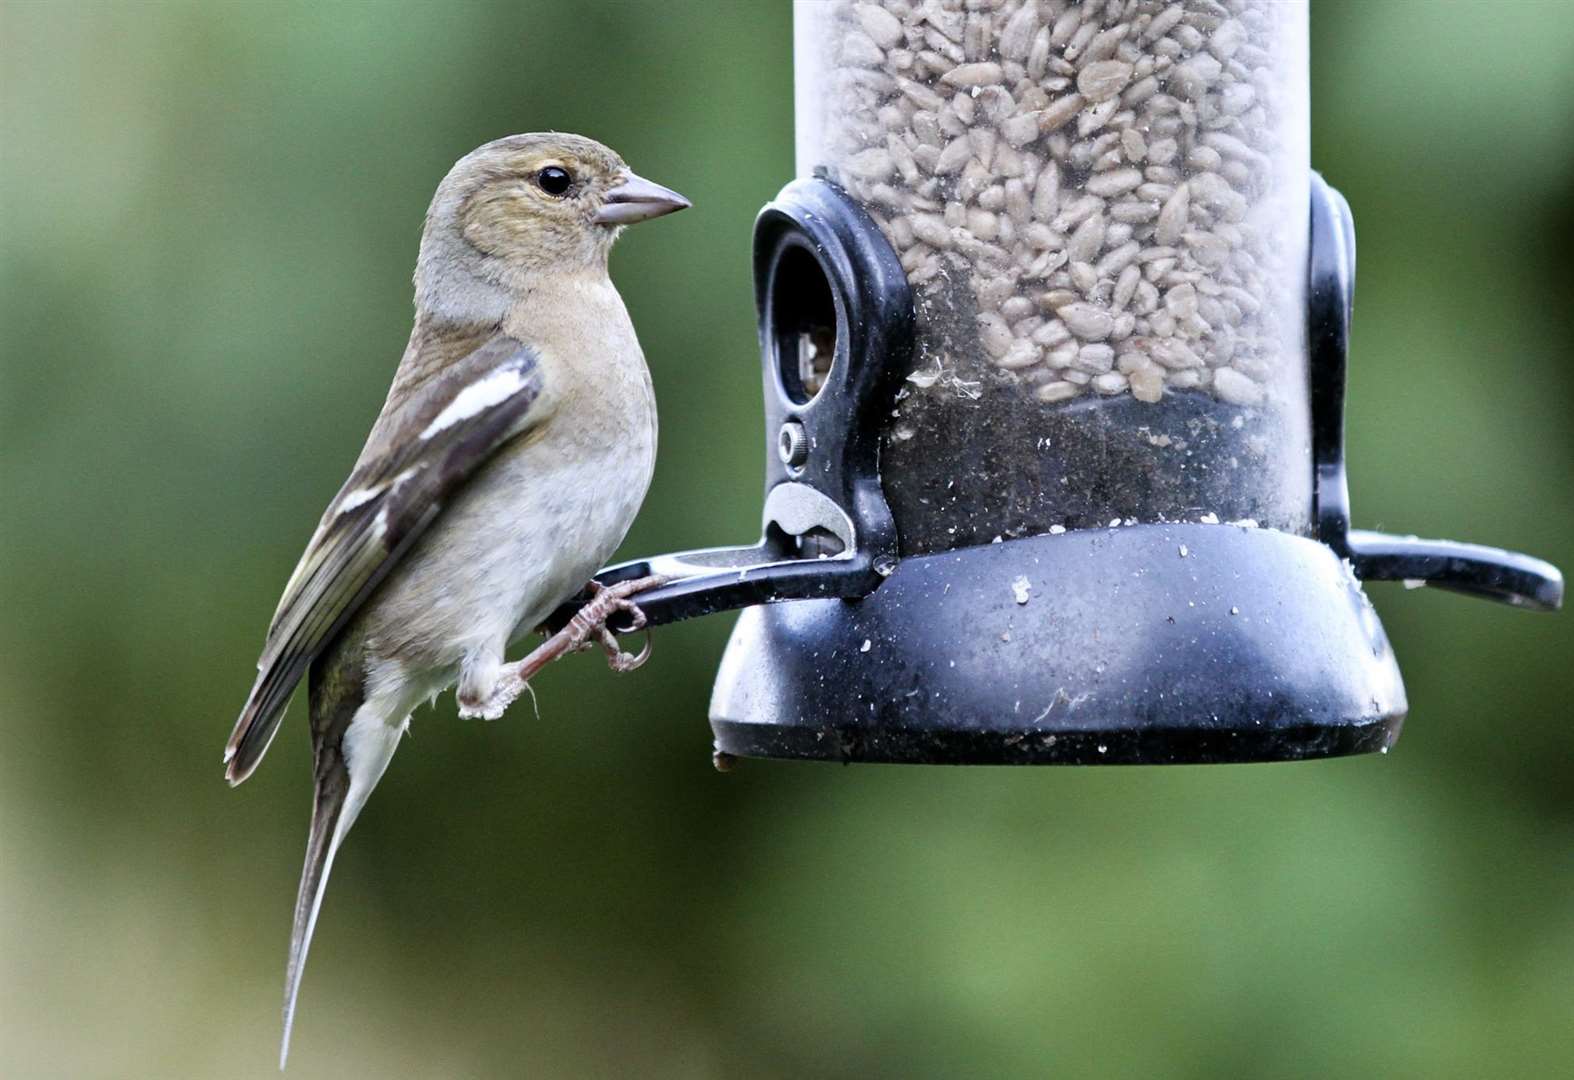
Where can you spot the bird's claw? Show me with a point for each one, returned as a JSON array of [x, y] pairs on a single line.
[[607, 601], [620, 661]]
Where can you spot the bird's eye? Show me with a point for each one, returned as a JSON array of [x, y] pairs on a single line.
[[553, 180]]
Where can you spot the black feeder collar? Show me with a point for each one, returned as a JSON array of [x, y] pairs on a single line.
[[1146, 644]]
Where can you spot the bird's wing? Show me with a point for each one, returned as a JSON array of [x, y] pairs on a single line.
[[432, 444]]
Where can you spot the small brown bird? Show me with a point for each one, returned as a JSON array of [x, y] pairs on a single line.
[[511, 455]]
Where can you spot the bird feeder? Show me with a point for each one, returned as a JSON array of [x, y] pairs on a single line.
[[1053, 330]]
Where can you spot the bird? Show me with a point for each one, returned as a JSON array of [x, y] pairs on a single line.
[[507, 463]]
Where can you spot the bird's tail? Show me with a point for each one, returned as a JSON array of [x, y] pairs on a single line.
[[355, 739], [258, 723]]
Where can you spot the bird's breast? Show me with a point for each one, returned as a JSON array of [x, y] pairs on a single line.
[[526, 533], [547, 511]]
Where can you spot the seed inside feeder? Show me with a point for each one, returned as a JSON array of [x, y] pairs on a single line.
[[1096, 203]]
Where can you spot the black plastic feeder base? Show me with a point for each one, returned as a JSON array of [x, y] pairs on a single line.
[[1151, 644]]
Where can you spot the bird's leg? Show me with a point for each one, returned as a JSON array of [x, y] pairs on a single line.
[[587, 627]]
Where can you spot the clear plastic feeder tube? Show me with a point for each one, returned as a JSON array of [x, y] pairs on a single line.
[[1102, 210]]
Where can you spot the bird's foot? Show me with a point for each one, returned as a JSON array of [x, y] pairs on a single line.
[[607, 601], [587, 628]]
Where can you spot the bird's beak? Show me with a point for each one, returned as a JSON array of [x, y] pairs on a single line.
[[637, 199]]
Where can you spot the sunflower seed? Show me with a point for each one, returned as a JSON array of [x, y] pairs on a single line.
[[994, 334], [1103, 79], [1114, 182], [1057, 391], [1021, 129], [1021, 354], [1095, 359], [1231, 386], [1087, 240], [1125, 287], [1119, 259], [1147, 384], [1016, 39], [1086, 321], [1018, 307], [1172, 219], [873, 164], [957, 152], [1059, 112], [978, 74], [1173, 353], [1110, 382]]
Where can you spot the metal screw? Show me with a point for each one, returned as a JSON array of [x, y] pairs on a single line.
[[792, 445]]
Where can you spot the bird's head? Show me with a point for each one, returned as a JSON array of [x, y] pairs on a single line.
[[528, 204]]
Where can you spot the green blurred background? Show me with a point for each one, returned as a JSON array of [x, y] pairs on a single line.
[[208, 220]]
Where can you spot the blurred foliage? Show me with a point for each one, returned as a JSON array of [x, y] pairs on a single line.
[[208, 217]]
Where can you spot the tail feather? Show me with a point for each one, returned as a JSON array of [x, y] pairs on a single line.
[[322, 843], [355, 740], [254, 731]]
